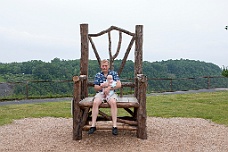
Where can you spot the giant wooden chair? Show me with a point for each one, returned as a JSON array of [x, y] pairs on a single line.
[[135, 105]]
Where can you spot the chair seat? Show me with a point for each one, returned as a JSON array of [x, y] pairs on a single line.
[[123, 102]]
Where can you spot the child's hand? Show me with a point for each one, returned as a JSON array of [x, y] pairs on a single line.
[[102, 85], [105, 85]]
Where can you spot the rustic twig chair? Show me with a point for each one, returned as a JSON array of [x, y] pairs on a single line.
[[135, 105]]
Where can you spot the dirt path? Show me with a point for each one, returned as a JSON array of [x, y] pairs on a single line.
[[164, 135]]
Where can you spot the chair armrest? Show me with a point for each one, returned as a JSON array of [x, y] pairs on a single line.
[[79, 78]]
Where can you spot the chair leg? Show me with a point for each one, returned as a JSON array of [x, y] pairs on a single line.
[[141, 129], [77, 130], [79, 123]]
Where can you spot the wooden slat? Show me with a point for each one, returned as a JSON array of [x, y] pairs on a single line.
[[109, 127], [123, 84], [87, 99], [123, 102], [118, 119]]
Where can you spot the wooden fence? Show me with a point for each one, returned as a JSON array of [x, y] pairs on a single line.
[[64, 88]]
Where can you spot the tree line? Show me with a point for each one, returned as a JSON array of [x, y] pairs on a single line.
[[57, 69]]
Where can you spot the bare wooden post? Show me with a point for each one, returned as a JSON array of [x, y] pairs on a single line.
[[141, 84], [77, 135], [208, 82], [84, 62], [171, 84], [27, 89], [141, 112], [138, 52]]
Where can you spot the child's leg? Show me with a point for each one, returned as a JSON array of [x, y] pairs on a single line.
[[107, 97]]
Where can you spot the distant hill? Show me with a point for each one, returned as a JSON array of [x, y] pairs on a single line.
[[182, 69], [59, 69], [185, 75]]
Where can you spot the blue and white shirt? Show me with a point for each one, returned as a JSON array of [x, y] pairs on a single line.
[[100, 77]]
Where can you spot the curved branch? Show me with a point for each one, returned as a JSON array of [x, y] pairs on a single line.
[[126, 55], [110, 29], [109, 45], [95, 50], [110, 51], [119, 45]]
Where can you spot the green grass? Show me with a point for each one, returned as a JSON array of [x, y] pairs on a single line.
[[8, 113], [213, 106]]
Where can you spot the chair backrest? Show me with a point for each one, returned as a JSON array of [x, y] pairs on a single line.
[[136, 38]]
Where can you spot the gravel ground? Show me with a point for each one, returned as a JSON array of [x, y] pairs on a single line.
[[164, 135]]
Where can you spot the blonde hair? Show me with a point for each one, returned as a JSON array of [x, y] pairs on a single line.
[[105, 61], [110, 77]]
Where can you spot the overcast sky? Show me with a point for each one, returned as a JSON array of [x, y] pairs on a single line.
[[173, 29]]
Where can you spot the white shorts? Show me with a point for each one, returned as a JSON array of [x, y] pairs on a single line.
[[101, 97]]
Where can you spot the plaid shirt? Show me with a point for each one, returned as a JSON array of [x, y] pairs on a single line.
[[100, 78]]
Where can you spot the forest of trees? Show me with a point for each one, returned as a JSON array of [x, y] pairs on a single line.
[[57, 70]]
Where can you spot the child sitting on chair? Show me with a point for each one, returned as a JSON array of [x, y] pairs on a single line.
[[109, 82]]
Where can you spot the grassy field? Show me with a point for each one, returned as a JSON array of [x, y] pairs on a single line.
[[212, 106]]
